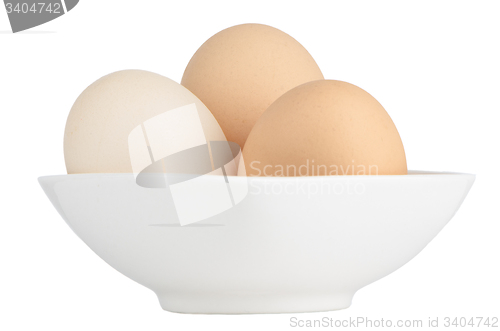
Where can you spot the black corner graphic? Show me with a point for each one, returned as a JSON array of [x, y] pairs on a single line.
[[26, 14], [70, 4]]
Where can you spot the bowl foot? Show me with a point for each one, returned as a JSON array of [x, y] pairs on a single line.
[[252, 303]]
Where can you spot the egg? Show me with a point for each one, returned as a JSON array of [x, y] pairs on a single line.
[[241, 70], [324, 127], [106, 128]]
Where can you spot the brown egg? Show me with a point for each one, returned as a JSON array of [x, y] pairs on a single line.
[[325, 127], [240, 71]]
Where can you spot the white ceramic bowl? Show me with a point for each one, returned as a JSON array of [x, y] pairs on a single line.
[[291, 245]]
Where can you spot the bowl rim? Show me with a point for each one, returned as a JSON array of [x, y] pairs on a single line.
[[415, 174]]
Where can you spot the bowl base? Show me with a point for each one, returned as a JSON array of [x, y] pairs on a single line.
[[253, 304]]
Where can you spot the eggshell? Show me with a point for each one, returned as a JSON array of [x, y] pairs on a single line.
[[240, 71], [96, 139], [325, 127]]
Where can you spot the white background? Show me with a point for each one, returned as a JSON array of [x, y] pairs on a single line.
[[434, 65]]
